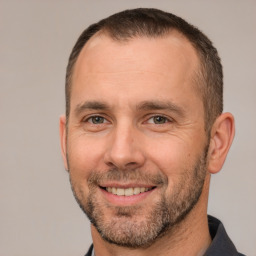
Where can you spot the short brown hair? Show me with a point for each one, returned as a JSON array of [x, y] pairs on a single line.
[[140, 22]]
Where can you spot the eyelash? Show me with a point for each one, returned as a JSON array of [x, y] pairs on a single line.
[[166, 119], [95, 116]]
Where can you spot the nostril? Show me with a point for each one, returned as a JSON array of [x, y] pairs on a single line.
[[131, 164], [110, 164]]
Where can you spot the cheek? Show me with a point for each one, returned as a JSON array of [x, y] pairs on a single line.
[[174, 159], [84, 156], [170, 155]]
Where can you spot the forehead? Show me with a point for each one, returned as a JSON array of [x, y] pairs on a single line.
[[171, 50], [138, 67]]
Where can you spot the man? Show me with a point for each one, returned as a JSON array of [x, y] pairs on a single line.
[[142, 134]]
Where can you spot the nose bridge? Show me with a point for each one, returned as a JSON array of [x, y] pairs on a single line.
[[123, 149]]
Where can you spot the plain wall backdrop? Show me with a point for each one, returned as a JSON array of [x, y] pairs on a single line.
[[38, 214]]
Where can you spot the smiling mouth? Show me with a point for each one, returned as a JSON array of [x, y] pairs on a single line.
[[127, 191]]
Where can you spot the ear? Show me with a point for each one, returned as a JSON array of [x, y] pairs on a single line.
[[63, 140], [222, 135]]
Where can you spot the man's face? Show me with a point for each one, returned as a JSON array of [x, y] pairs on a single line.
[[136, 145]]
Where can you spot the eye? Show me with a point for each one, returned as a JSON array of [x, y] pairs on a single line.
[[96, 120], [158, 120]]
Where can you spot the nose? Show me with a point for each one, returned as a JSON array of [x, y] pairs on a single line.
[[124, 148]]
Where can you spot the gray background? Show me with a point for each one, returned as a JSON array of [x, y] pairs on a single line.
[[38, 215]]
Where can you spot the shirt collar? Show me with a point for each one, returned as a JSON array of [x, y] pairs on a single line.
[[221, 243]]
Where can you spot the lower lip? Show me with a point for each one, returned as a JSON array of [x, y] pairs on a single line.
[[126, 200]]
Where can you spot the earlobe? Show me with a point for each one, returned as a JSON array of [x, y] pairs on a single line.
[[63, 139], [222, 135]]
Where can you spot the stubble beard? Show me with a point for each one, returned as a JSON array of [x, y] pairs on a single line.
[[126, 227]]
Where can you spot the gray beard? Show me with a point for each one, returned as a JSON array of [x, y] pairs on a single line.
[[123, 229]]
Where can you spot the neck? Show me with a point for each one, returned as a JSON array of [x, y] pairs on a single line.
[[190, 237]]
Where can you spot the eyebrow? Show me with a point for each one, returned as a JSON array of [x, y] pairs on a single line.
[[90, 105], [143, 106], [161, 105]]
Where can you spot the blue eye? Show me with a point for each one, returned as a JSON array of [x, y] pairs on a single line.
[[158, 120], [96, 120]]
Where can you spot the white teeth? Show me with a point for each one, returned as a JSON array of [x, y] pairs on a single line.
[[126, 191], [136, 191], [120, 191], [113, 191]]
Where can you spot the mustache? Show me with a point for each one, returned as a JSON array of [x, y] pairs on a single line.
[[125, 176]]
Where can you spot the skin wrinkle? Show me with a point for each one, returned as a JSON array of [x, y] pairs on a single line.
[[142, 106]]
